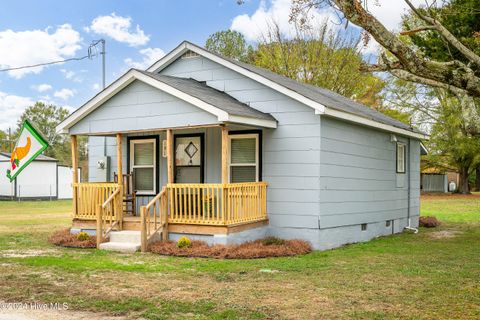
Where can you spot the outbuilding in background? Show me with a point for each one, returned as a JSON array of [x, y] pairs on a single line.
[[43, 179]]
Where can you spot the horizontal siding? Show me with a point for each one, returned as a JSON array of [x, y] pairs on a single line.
[[291, 152], [142, 107], [358, 179]]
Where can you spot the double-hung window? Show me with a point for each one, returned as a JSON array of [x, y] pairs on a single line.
[[143, 164], [244, 158], [401, 157]]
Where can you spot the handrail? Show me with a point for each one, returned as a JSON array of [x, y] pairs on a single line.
[[160, 221], [107, 222], [104, 205]]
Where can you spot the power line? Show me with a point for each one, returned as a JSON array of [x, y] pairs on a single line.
[[92, 52], [43, 64]]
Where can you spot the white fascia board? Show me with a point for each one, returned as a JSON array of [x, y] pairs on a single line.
[[252, 121], [177, 52], [371, 123], [97, 100]]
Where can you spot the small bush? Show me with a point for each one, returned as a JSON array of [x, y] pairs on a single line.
[[429, 222], [64, 238], [83, 236], [248, 250], [273, 241], [184, 242]]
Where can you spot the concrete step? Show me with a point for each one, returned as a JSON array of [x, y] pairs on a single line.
[[120, 246], [125, 236]]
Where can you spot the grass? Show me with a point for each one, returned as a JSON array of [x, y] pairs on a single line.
[[452, 208], [430, 275]]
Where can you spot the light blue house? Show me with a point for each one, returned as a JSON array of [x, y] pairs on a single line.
[[228, 152]]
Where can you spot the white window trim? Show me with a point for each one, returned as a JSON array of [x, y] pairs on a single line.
[[257, 155], [133, 142], [403, 147]]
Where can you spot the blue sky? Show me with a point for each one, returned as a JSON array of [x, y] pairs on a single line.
[[137, 33]]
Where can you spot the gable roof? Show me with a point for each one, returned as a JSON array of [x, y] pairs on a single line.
[[210, 95], [323, 101], [220, 104]]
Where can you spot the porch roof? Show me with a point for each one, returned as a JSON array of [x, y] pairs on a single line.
[[226, 108], [211, 96]]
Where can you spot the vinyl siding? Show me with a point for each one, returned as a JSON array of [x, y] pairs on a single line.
[[142, 107], [358, 178], [291, 152]]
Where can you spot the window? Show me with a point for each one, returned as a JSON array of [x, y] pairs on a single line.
[[400, 158], [364, 226], [244, 158], [388, 223], [143, 164]]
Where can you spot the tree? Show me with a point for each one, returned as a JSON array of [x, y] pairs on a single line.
[[229, 43], [459, 76], [45, 118], [322, 58], [451, 136]]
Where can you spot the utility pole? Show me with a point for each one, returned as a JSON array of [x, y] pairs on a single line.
[[103, 53], [103, 62]]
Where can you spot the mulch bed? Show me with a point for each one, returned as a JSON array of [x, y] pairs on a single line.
[[449, 196], [428, 222], [264, 248], [64, 238]]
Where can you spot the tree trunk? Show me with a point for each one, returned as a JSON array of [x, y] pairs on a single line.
[[463, 186], [477, 176]]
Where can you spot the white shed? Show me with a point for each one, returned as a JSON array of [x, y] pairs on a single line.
[[43, 179]]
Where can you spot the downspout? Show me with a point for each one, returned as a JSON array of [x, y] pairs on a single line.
[[409, 226]]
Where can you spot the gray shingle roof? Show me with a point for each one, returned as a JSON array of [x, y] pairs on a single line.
[[323, 96], [207, 94]]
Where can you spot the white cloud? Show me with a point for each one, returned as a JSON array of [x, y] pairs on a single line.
[[96, 86], [118, 28], [274, 12], [36, 46], [64, 94], [149, 57], [72, 75], [11, 108], [42, 87], [389, 12]]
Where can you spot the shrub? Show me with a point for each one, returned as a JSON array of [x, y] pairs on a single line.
[[429, 222], [83, 236], [64, 238], [184, 242], [273, 241]]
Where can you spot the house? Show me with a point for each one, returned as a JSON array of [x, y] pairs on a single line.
[[228, 152], [43, 179]]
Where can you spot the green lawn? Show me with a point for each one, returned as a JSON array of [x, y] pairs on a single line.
[[434, 274]]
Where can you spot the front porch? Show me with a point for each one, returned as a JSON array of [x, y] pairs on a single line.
[[181, 208]]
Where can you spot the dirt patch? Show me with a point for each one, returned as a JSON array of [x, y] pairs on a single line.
[[53, 315], [26, 253], [64, 238], [269, 247], [444, 234]]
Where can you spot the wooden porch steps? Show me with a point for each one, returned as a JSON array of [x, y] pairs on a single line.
[[123, 241]]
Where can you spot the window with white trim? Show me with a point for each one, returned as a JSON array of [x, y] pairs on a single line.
[[244, 158], [401, 157], [143, 164]]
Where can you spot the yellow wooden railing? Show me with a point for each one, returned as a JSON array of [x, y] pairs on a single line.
[[109, 215], [154, 218], [217, 204], [87, 197]]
